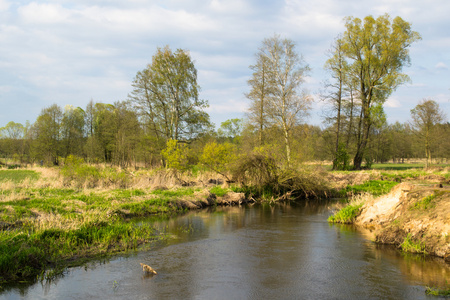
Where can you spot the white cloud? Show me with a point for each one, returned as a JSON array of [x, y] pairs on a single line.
[[4, 5], [441, 66], [43, 13], [230, 106], [392, 102], [229, 6]]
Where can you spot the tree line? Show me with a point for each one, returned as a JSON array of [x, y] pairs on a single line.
[[163, 121]]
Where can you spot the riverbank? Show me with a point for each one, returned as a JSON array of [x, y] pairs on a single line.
[[413, 217], [50, 221]]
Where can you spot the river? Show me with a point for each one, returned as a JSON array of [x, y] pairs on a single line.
[[285, 251]]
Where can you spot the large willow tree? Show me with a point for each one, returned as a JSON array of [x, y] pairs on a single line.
[[166, 94], [375, 52]]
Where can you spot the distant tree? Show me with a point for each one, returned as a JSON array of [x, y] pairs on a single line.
[[47, 134], [166, 94], [72, 130], [231, 128], [376, 50], [426, 115], [12, 139]]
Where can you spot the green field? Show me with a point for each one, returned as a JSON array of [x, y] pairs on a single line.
[[18, 175]]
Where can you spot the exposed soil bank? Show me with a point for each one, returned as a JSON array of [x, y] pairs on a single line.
[[413, 217]]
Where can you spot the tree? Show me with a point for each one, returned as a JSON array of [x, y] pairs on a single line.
[[166, 95], [286, 104], [72, 130], [337, 66], [12, 136], [260, 89], [231, 129], [426, 115], [376, 50], [219, 157], [47, 134]]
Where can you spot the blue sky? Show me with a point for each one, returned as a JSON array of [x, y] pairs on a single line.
[[69, 52]]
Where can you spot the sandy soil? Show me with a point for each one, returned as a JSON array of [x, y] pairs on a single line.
[[406, 210]]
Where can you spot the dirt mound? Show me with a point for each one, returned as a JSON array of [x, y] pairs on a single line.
[[417, 213]]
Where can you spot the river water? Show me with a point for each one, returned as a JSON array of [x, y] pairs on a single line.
[[286, 251]]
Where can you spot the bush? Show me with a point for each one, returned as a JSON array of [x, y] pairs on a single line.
[[176, 155], [346, 215], [219, 157]]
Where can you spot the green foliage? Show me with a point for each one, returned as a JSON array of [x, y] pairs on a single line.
[[75, 169], [167, 93], [342, 159], [231, 128], [374, 187], [346, 215], [375, 52], [424, 203], [409, 245], [175, 155], [219, 157]]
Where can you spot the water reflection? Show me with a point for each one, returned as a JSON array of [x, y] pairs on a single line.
[[287, 251]]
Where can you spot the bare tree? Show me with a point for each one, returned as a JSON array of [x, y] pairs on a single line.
[[283, 70]]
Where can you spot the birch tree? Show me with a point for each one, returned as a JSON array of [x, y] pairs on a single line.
[[286, 103]]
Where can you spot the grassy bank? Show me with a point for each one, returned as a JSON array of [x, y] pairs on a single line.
[[53, 218], [47, 222]]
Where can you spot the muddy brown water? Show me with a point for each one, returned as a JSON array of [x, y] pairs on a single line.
[[260, 252]]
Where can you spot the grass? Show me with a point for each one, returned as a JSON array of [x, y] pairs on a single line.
[[27, 253], [219, 191], [445, 292], [346, 215], [46, 225], [425, 203], [374, 187], [18, 175], [410, 246]]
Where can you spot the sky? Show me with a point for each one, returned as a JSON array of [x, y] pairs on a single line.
[[70, 52]]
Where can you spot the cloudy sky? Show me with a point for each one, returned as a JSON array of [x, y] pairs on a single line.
[[69, 52]]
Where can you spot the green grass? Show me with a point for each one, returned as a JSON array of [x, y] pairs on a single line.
[[425, 203], [27, 252], [18, 175], [346, 215], [409, 245], [75, 225], [397, 167], [445, 292], [374, 187], [219, 191]]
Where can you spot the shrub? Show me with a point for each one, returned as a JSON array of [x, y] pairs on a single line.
[[176, 155], [346, 215], [219, 157]]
